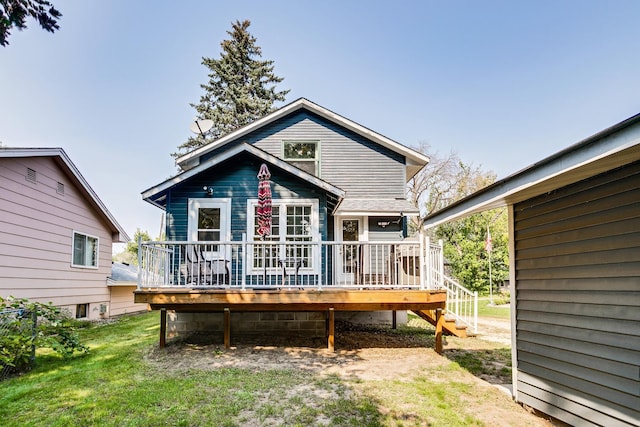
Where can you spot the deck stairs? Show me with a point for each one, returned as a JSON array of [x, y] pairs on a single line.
[[450, 326], [461, 313]]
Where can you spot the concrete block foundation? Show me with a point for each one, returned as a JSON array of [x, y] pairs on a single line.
[[300, 323]]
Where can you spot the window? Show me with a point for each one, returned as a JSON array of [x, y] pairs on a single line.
[[303, 155], [85, 251], [81, 311], [209, 224], [294, 222]]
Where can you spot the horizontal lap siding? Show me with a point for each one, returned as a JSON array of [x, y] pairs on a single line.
[[237, 179], [348, 161], [37, 225], [578, 300], [121, 298]]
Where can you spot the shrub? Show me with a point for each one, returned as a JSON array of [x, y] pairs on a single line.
[[26, 325]]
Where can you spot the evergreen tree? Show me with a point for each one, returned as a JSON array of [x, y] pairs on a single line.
[[14, 13], [241, 87]]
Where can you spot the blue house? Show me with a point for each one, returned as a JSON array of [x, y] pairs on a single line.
[[339, 219]]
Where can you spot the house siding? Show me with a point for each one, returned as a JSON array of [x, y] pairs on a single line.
[[577, 261], [37, 225], [347, 160], [237, 179], [122, 301]]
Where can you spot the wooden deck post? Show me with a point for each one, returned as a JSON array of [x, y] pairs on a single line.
[[163, 327], [332, 330], [439, 324], [227, 328], [394, 319]]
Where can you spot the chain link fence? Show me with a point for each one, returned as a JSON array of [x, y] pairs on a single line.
[[18, 328]]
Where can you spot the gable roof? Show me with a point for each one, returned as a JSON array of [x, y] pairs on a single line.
[[414, 160], [64, 162], [613, 147], [156, 195]]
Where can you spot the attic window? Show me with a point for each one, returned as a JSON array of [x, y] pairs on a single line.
[[60, 189], [303, 155], [31, 175]]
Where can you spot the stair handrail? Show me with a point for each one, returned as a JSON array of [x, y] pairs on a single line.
[[462, 303]]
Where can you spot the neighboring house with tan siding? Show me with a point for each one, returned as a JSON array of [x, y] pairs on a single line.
[[56, 235], [122, 282]]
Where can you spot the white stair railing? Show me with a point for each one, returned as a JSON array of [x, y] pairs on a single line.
[[462, 303]]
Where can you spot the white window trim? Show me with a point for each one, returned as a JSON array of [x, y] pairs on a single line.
[[73, 239], [303, 141], [224, 204], [283, 203]]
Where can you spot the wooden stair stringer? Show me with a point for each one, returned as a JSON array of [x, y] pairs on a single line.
[[450, 327]]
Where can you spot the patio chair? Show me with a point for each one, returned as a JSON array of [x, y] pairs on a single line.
[[193, 265], [215, 271], [293, 263]]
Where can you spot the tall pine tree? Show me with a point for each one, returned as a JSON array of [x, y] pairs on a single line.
[[241, 87]]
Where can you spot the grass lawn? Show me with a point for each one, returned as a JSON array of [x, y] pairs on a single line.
[[115, 385], [487, 310]]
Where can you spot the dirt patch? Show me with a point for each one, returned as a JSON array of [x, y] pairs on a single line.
[[367, 356]]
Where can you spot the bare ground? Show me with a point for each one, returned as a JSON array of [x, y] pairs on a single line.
[[367, 356]]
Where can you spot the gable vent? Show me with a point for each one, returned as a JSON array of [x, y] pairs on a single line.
[[60, 189], [31, 175]]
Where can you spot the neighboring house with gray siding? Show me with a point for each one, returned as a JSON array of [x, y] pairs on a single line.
[[56, 235], [575, 268]]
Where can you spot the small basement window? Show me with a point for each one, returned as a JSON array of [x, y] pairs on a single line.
[[82, 310]]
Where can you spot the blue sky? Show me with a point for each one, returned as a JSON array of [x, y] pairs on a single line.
[[502, 83]]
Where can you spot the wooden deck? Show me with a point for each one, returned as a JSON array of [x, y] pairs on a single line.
[[326, 300]]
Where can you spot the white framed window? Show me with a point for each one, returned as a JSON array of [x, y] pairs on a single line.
[[85, 251], [303, 154], [295, 224]]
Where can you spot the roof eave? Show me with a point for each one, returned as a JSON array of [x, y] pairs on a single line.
[[601, 152], [118, 233], [413, 157], [148, 195]]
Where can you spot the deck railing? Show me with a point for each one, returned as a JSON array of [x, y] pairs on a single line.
[[276, 264], [304, 265]]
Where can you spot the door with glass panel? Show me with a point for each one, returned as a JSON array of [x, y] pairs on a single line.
[[348, 252], [209, 221]]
